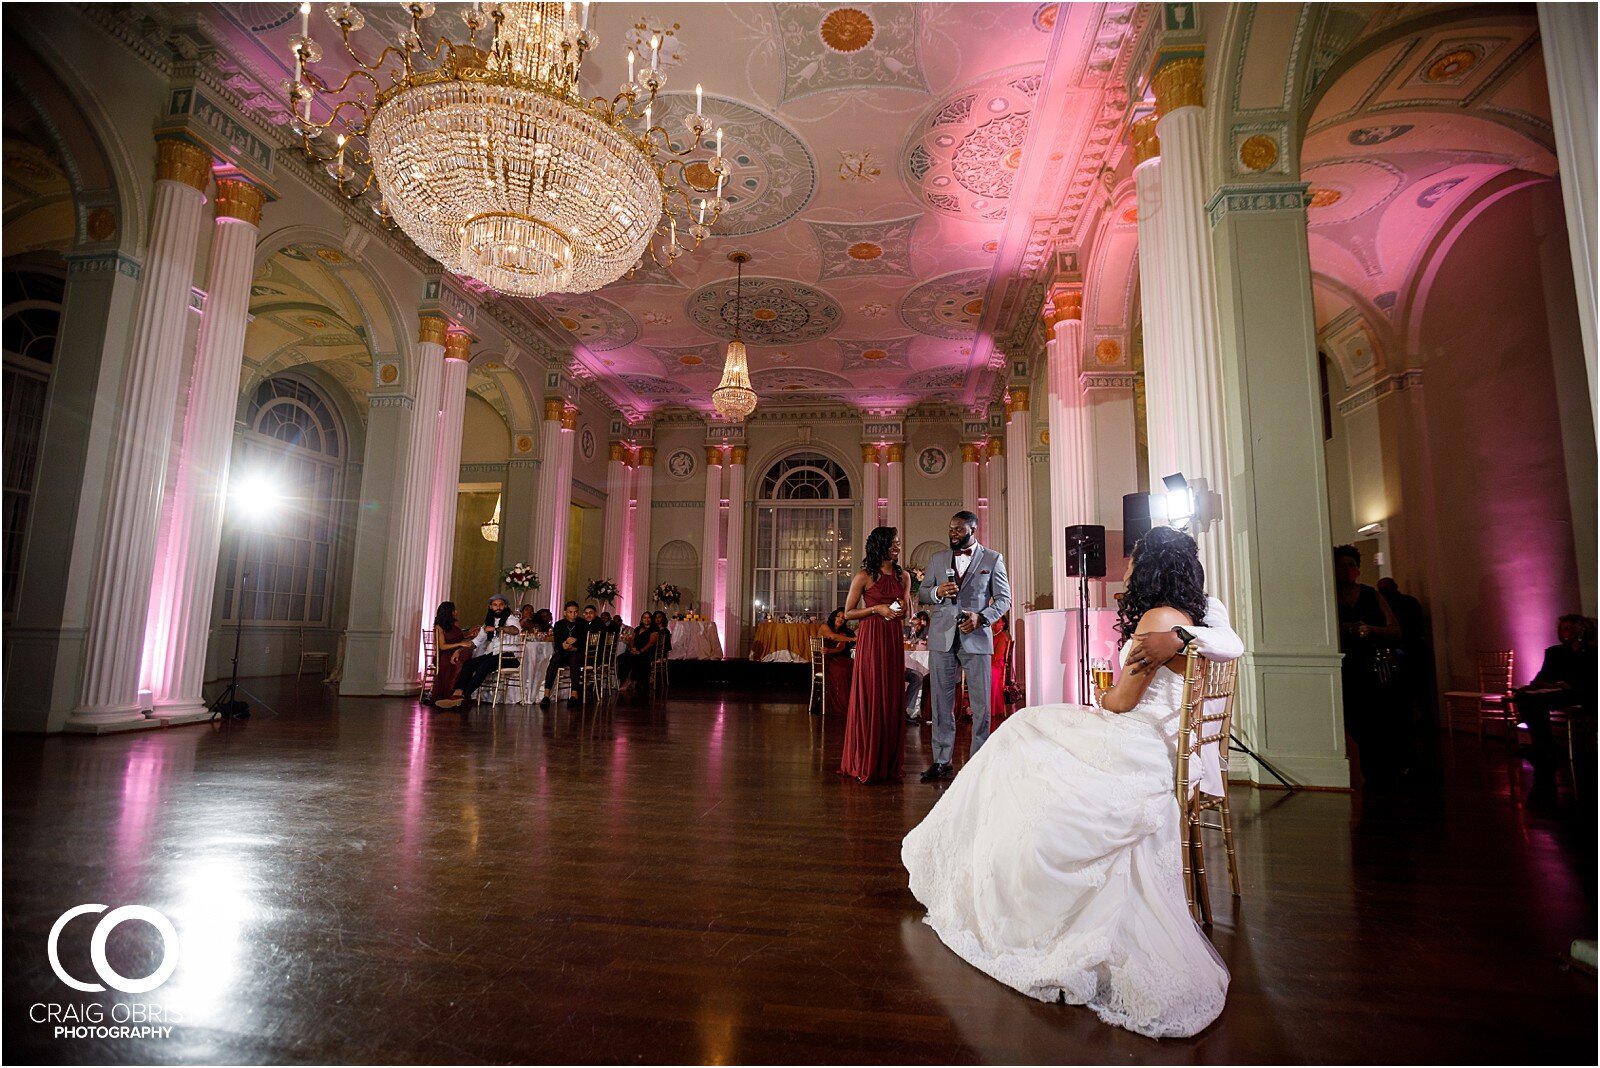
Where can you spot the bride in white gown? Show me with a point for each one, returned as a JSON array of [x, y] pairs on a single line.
[[1052, 861]]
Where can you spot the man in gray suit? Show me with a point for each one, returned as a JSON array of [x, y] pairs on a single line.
[[967, 590]]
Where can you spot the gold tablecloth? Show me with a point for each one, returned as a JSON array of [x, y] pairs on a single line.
[[772, 636]]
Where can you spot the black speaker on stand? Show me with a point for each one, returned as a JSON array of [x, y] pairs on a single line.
[[1085, 559], [1135, 520]]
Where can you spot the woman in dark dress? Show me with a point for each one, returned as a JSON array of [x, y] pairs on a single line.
[[451, 648], [1367, 631], [634, 664], [663, 628], [837, 665], [875, 730]]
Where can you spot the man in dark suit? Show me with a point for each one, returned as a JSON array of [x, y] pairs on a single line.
[[568, 636], [967, 590], [1566, 679]]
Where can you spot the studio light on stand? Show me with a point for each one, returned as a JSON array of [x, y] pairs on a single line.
[[255, 499], [1191, 507]]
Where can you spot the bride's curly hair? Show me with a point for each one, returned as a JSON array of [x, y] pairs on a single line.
[[1166, 572], [877, 551]]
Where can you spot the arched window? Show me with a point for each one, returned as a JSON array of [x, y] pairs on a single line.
[[804, 536], [279, 568], [29, 322]]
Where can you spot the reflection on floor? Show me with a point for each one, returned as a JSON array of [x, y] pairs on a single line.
[[367, 880]]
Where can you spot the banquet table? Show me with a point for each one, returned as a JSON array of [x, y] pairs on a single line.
[[535, 658], [783, 641], [694, 639]]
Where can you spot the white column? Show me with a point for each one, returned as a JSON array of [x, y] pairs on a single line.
[[871, 516], [125, 557], [446, 474], [614, 539], [557, 497], [711, 535], [737, 610], [1019, 501], [644, 472], [894, 471], [549, 522], [408, 539], [1070, 475], [969, 478], [1160, 399], [994, 479], [179, 619], [1190, 303], [1567, 37]]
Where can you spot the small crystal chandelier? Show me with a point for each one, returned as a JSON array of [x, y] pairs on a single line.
[[491, 529], [733, 396], [491, 160]]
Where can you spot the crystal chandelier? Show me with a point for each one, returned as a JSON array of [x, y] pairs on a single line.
[[491, 529], [484, 153], [733, 396]]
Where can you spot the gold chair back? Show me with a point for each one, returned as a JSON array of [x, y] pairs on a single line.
[[1205, 720]]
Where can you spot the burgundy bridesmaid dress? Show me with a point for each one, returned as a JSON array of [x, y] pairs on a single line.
[[875, 732]]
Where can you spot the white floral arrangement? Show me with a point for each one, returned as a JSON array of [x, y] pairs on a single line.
[[602, 590], [520, 577], [667, 593]]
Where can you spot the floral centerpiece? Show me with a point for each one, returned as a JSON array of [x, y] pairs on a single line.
[[520, 577], [602, 590], [666, 594], [918, 574]]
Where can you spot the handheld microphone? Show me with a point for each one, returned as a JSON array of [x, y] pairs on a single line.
[[950, 574]]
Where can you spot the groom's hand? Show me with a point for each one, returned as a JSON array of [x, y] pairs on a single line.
[[1153, 650], [969, 622]]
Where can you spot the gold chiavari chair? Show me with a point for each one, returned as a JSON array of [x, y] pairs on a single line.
[[819, 678], [660, 673], [1205, 719], [316, 657], [430, 665], [507, 671], [1491, 702], [589, 673]]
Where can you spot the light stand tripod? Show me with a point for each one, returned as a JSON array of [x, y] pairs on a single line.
[[226, 705], [1080, 546]]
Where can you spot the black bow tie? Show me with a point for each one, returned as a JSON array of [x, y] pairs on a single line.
[[963, 552]]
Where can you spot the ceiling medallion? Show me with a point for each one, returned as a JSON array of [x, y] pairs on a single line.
[[847, 29], [484, 152], [733, 397]]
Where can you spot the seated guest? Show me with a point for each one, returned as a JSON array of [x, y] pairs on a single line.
[[525, 618], [997, 667], [664, 650], [838, 670], [1566, 679], [451, 648], [568, 636], [497, 629], [916, 673], [634, 664], [543, 622]]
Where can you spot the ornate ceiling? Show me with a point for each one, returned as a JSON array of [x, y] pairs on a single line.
[[880, 153]]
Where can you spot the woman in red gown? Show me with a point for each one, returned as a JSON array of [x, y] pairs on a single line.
[[837, 665], [997, 681], [875, 730], [452, 647]]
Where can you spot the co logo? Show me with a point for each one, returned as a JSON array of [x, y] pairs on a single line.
[[97, 948]]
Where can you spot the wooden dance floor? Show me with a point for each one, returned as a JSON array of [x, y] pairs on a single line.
[[363, 880]]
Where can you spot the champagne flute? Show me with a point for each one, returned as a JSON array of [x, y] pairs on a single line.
[[1100, 669]]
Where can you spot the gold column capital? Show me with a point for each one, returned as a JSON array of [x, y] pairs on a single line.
[[737, 454], [619, 452], [1064, 302], [897, 453], [713, 455], [553, 407], [432, 329], [239, 198], [869, 454], [1179, 82], [458, 346], [1017, 400], [1143, 140], [647, 456], [183, 161], [569, 419], [997, 448], [969, 452]]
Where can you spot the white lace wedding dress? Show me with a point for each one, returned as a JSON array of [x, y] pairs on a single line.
[[1052, 864]]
